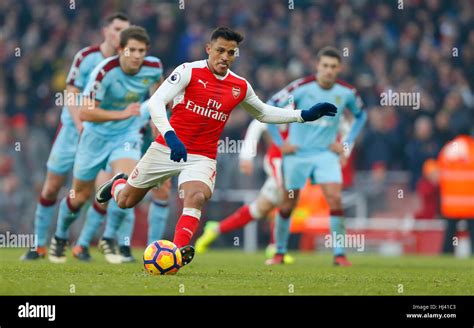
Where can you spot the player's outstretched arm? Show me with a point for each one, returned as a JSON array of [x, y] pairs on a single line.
[[271, 114], [318, 110]]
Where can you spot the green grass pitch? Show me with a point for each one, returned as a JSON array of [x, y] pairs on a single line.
[[232, 272]]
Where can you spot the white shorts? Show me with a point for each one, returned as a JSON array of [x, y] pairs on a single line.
[[272, 188], [155, 167]]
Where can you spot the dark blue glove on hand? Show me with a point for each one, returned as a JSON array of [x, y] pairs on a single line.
[[178, 151], [318, 110]]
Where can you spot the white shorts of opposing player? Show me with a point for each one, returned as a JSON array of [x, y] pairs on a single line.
[[155, 167]]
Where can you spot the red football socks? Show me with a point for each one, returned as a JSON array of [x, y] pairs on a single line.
[[237, 220], [185, 229]]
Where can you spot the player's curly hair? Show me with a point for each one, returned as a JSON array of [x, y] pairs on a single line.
[[136, 33], [227, 34]]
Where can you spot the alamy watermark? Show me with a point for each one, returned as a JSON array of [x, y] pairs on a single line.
[[394, 98], [334, 240], [231, 146], [14, 240], [70, 99], [37, 311]]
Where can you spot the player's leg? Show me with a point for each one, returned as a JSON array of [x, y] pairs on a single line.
[[125, 197], [120, 221], [69, 211], [271, 248], [259, 208], [195, 194], [274, 189], [332, 193], [95, 216], [267, 200], [91, 156], [158, 211], [151, 170], [196, 184], [124, 156], [60, 162], [45, 210], [328, 174], [296, 170], [124, 235], [281, 232]]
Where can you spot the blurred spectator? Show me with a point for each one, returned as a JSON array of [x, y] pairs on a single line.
[[442, 132], [460, 117], [420, 148], [427, 189], [380, 141]]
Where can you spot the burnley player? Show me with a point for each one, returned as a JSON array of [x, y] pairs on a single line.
[[119, 223], [61, 158], [111, 129], [204, 93], [318, 154]]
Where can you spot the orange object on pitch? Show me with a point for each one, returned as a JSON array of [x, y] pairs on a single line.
[[456, 164], [311, 215]]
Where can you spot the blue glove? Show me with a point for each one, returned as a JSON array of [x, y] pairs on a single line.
[[318, 110], [178, 151]]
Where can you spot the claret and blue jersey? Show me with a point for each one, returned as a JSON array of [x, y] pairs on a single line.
[[82, 66], [61, 157], [314, 159], [115, 90], [105, 142], [306, 92]]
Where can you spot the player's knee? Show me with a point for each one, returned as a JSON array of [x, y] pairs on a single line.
[[263, 208], [285, 213], [197, 198], [50, 191], [286, 208], [79, 198]]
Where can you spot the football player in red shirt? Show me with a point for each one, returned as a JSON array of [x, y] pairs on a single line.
[[204, 93]]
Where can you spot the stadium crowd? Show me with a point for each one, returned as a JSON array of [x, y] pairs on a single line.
[[429, 51]]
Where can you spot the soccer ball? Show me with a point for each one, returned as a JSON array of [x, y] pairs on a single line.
[[162, 257]]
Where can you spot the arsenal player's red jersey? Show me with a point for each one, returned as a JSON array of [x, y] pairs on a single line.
[[201, 111], [202, 103]]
